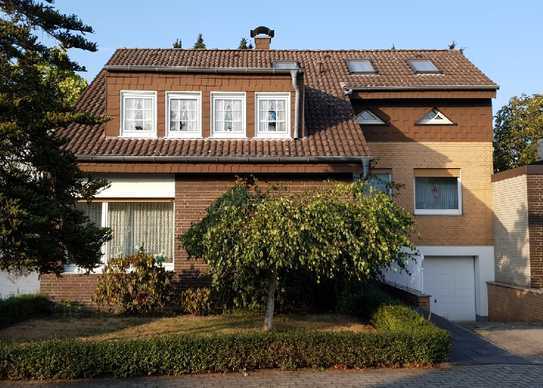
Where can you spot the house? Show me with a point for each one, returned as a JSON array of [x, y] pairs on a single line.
[[517, 293], [185, 122]]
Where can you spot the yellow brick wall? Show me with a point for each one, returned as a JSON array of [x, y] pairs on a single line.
[[474, 159], [512, 246]]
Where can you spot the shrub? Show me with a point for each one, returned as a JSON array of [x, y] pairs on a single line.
[[402, 339], [135, 285], [21, 307], [196, 301]]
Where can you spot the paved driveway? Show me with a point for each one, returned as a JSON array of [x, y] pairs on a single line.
[[475, 362]]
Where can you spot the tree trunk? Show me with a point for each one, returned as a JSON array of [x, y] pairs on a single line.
[[270, 304]]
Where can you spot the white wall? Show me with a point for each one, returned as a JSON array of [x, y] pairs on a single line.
[[484, 270], [11, 284]]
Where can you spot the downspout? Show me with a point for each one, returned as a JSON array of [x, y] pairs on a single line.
[[297, 105]]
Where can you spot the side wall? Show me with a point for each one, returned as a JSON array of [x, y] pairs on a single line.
[[535, 222], [512, 243]]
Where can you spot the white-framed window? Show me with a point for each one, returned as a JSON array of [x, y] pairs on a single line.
[[138, 113], [367, 117], [272, 115], [183, 114], [434, 117], [133, 224], [438, 195], [228, 114]]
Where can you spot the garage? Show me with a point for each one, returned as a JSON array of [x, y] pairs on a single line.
[[450, 280]]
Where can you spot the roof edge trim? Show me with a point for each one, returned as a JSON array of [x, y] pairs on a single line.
[[423, 87], [233, 159], [195, 69]]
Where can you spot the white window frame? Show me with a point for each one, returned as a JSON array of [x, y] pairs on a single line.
[[104, 224], [185, 95], [138, 94], [276, 96], [374, 121], [433, 121], [438, 212], [234, 135]]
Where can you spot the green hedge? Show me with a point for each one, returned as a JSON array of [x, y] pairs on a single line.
[[21, 307], [393, 344]]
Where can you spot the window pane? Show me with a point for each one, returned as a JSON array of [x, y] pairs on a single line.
[[380, 182], [272, 115], [136, 224], [92, 210], [436, 193]]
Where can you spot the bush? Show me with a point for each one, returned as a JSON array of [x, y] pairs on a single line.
[[362, 299], [21, 307], [402, 339], [196, 301], [135, 285]]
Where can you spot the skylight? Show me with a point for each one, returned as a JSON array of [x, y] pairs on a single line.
[[423, 66], [434, 117], [368, 117], [361, 66], [285, 65]]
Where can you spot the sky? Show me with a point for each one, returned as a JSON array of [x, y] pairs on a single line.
[[502, 38]]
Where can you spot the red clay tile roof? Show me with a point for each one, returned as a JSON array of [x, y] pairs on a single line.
[[329, 124]]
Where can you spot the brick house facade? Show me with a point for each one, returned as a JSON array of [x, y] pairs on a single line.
[[297, 117]]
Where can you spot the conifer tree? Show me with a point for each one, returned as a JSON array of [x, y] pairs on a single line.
[[200, 44]]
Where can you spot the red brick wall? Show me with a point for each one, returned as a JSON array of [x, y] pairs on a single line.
[[194, 194], [535, 226]]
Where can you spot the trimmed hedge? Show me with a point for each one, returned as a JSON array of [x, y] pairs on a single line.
[[414, 342], [21, 307]]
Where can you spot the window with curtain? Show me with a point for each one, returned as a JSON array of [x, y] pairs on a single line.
[[228, 114], [272, 115], [437, 194], [93, 211], [138, 112], [136, 224], [184, 115]]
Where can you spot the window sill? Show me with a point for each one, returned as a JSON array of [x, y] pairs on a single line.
[[273, 136], [190, 135], [231, 137], [138, 136], [436, 212]]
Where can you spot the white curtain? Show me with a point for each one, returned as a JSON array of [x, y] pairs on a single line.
[[93, 211], [436, 193], [136, 224]]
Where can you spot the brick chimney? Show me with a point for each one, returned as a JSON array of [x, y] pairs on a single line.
[[262, 36]]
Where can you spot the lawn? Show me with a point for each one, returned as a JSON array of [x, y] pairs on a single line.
[[112, 328]]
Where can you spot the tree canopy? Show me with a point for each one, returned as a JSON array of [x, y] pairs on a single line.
[[200, 44], [243, 44], [518, 128], [177, 43], [342, 229], [40, 182]]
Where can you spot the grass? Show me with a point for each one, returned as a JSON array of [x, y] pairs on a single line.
[[112, 328]]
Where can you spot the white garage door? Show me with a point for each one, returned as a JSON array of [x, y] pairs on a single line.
[[451, 283]]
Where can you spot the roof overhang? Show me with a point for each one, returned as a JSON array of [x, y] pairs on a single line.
[[223, 159]]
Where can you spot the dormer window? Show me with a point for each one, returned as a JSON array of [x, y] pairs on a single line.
[[434, 117], [228, 110], [138, 113], [273, 118], [367, 117], [184, 112], [360, 66], [423, 66]]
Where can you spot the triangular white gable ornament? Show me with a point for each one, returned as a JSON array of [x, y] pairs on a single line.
[[368, 117], [434, 117]]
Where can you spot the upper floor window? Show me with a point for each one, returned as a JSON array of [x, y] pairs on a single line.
[[434, 117], [381, 181], [360, 66], [438, 192], [138, 113], [423, 66], [273, 115], [183, 114], [228, 114]]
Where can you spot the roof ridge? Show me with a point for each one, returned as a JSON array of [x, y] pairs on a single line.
[[293, 50]]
